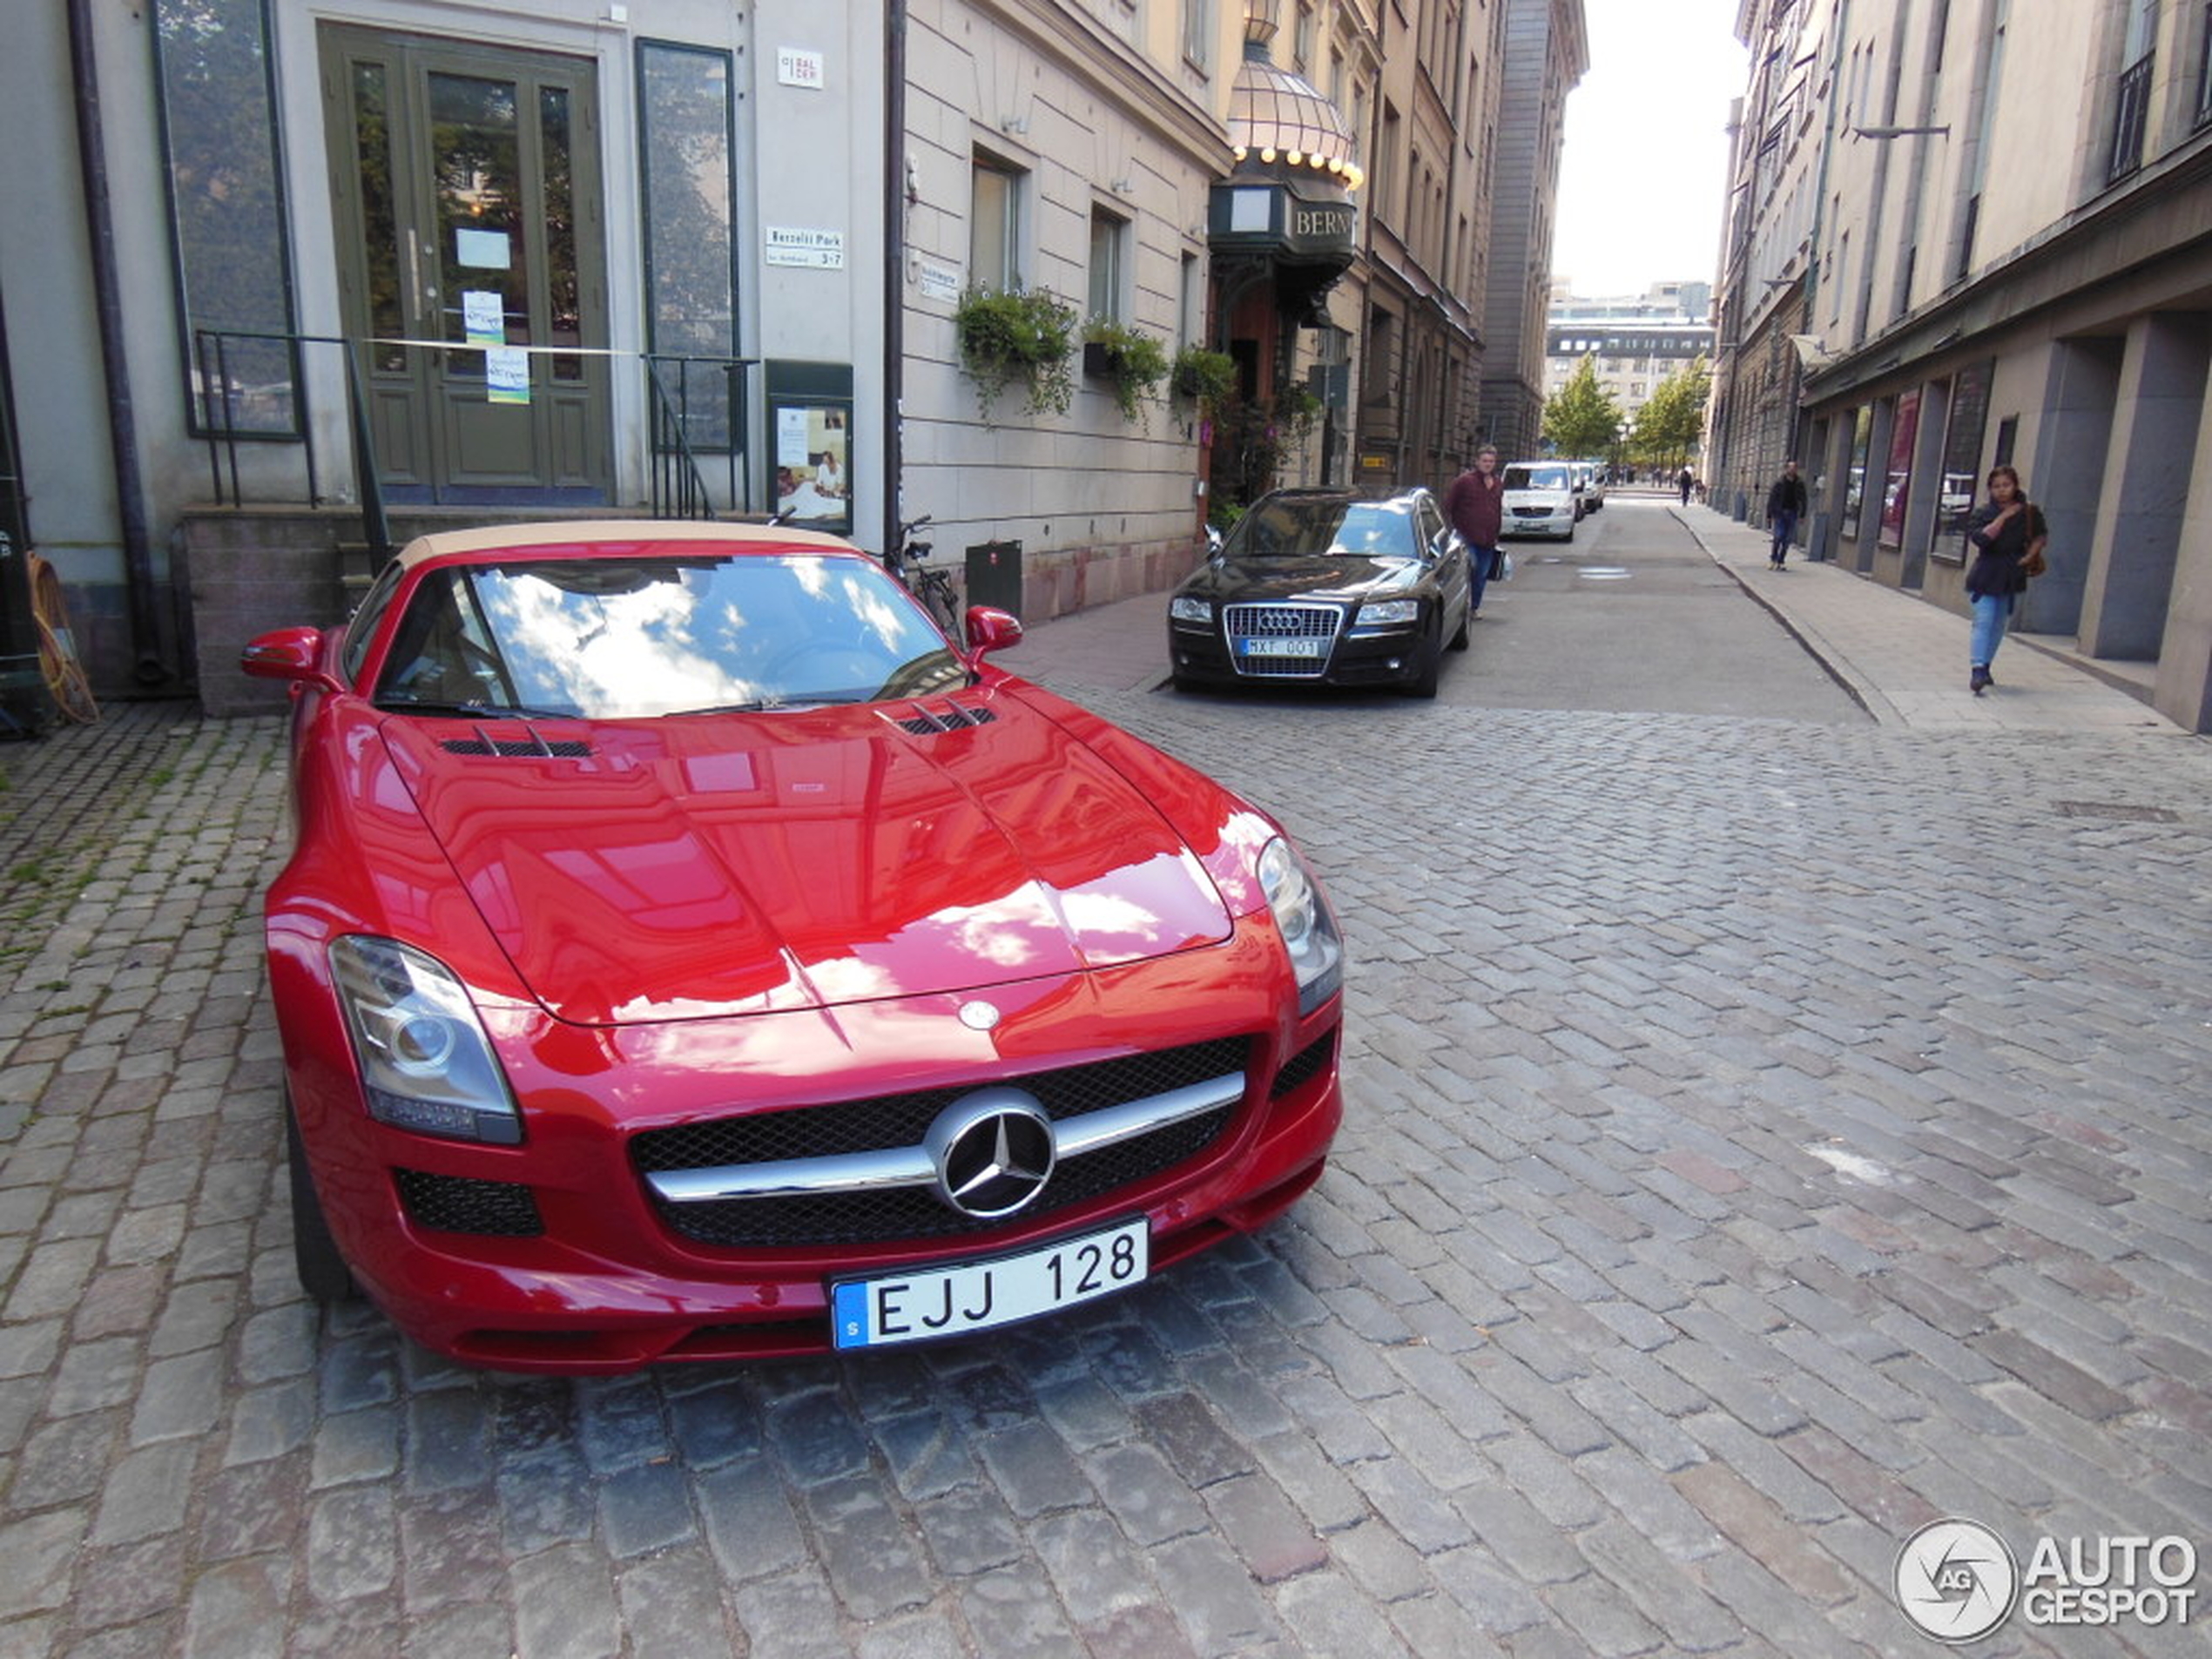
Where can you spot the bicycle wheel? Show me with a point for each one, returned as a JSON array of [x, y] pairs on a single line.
[[937, 597]]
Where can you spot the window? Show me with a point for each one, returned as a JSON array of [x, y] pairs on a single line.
[[1198, 33], [1108, 236], [2130, 115], [994, 224], [1191, 304], [684, 106], [2204, 66], [226, 214]]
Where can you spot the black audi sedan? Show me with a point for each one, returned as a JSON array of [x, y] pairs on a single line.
[[1320, 586]]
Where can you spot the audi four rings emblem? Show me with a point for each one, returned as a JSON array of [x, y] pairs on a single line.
[[993, 1151]]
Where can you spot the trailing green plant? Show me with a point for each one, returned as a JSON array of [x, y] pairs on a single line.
[[1205, 378], [1296, 409], [1129, 360], [1022, 334]]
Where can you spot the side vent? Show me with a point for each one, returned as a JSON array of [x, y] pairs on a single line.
[[532, 746], [951, 716]]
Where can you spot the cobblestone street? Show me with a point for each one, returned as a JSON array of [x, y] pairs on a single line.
[[1762, 1138]]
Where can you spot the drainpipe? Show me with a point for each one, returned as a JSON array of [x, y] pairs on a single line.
[[895, 267], [131, 508]]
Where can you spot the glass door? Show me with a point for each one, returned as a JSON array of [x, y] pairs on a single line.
[[470, 256]]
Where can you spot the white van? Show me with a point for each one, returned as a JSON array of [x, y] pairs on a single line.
[[1541, 499]]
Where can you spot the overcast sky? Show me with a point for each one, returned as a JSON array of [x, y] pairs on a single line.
[[1642, 183]]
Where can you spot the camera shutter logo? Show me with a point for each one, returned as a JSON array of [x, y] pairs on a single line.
[[1956, 1580]]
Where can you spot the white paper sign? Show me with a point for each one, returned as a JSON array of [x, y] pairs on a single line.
[[483, 318], [938, 282], [483, 250], [507, 375]]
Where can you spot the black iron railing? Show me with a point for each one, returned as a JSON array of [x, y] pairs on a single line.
[[251, 393]]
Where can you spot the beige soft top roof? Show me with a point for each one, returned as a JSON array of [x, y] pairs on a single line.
[[625, 532]]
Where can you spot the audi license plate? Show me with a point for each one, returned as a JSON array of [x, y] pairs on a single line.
[[982, 1296], [1278, 647]]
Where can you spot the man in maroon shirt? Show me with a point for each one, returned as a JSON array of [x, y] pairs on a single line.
[[1475, 504]]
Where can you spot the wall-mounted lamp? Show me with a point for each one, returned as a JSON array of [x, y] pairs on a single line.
[[1014, 124], [1123, 186], [1898, 132]]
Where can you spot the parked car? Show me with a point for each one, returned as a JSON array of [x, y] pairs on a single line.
[[689, 953], [1589, 479], [1320, 587], [1540, 499]]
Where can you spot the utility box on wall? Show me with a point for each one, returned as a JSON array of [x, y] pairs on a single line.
[[994, 574]]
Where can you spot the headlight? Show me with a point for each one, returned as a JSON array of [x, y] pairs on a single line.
[[1188, 610], [425, 1064], [1389, 612], [1304, 919]]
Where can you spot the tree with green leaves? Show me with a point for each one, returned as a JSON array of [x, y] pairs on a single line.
[[1583, 419], [1670, 426]]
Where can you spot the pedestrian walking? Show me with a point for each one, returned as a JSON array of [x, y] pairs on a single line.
[[2001, 532], [1475, 504], [1785, 505], [1687, 482]]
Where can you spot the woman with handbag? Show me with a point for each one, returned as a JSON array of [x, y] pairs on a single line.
[[2005, 529]]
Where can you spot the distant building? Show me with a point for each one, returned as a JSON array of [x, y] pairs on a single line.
[[1637, 341], [1546, 51]]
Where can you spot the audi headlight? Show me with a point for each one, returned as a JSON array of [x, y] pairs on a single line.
[[1188, 609], [425, 1063], [1389, 613], [1308, 927]]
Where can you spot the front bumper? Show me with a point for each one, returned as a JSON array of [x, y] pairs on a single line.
[[559, 1254], [1351, 656]]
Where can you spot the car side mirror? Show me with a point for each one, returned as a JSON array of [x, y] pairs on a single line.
[[294, 654], [990, 628]]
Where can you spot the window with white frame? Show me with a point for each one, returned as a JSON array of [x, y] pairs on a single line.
[[1109, 248]]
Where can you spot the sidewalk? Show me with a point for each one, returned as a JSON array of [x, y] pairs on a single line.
[[1904, 661]]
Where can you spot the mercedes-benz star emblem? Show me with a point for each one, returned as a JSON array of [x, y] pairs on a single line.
[[993, 1150]]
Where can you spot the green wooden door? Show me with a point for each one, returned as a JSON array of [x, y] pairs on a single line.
[[468, 215]]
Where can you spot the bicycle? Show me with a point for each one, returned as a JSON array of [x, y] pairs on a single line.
[[928, 584]]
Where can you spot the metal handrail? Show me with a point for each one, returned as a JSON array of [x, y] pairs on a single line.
[[225, 418]]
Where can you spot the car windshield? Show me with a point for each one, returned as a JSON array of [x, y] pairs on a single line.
[[1312, 526], [633, 639], [1536, 478]]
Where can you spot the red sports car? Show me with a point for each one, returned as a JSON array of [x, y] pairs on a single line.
[[688, 953]]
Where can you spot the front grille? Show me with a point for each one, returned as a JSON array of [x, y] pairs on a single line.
[[1263, 638], [457, 1204], [890, 1122]]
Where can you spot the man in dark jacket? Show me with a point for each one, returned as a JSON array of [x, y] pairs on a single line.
[[1475, 504], [1785, 505]]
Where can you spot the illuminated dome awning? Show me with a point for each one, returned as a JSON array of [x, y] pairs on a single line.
[[1276, 116]]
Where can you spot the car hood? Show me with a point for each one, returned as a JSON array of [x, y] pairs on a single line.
[[657, 870], [1334, 576]]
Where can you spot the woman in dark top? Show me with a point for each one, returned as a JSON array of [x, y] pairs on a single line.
[[2001, 529]]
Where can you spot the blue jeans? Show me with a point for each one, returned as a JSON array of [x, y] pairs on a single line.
[[1785, 532], [1479, 562], [1991, 611]]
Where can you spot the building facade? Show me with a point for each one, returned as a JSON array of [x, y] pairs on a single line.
[[316, 280], [1546, 51], [1970, 234]]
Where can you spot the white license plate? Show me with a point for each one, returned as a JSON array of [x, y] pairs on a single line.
[[1279, 647], [982, 1296]]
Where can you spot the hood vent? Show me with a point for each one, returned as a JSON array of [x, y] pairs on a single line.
[[532, 747], [950, 717]]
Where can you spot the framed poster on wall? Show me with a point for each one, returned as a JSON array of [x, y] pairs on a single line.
[[810, 428]]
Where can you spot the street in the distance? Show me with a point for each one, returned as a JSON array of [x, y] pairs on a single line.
[[1768, 1134]]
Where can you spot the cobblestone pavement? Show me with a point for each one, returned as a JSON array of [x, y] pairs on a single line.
[[1762, 1138]]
